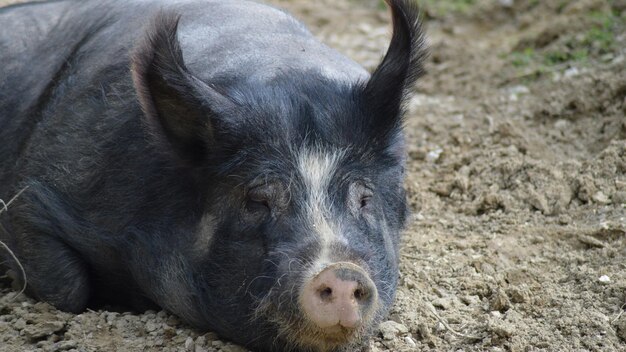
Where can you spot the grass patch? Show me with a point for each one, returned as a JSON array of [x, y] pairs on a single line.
[[601, 36], [552, 58], [598, 39], [523, 58]]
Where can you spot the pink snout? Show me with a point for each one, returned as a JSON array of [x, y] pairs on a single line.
[[341, 295]]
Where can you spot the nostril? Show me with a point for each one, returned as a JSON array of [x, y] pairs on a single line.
[[326, 294], [360, 294], [342, 295]]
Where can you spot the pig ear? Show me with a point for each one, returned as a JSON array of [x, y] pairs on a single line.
[[402, 65], [177, 106]]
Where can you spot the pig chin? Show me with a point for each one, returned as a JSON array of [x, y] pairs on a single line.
[[298, 333]]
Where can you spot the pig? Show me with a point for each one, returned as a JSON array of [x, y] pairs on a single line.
[[209, 158]]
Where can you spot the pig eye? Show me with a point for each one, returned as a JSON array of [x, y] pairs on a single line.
[[365, 200], [259, 199], [361, 197]]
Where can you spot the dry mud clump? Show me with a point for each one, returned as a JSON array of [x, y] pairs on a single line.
[[516, 177]]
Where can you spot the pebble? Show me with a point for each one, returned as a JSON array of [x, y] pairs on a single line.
[[41, 330], [189, 344], [600, 198], [604, 279], [621, 327], [444, 303], [434, 154], [571, 72], [499, 301], [390, 329], [502, 328], [561, 124], [518, 294], [619, 197], [517, 90]]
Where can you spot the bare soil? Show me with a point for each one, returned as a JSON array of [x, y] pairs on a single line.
[[516, 178]]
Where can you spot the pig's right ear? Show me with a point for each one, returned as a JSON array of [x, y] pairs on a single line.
[[178, 107]]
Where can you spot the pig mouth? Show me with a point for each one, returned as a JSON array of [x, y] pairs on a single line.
[[294, 330]]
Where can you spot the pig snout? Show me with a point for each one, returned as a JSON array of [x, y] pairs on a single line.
[[342, 295]]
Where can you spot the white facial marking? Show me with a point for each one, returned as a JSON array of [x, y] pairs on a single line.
[[317, 168], [204, 234]]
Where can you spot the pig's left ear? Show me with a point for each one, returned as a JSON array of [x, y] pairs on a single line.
[[390, 83], [179, 109]]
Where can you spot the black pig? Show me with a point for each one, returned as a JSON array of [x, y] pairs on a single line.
[[208, 157]]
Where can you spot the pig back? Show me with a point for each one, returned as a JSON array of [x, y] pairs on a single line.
[[68, 73]]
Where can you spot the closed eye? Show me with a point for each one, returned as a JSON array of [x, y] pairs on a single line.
[[365, 200]]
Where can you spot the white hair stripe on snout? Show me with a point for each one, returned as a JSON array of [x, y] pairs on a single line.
[[317, 168]]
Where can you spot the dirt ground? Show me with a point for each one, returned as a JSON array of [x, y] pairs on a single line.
[[517, 181]]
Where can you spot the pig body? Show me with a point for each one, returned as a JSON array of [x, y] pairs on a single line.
[[208, 157]]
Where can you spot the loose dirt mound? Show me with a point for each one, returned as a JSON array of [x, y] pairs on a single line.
[[517, 179]]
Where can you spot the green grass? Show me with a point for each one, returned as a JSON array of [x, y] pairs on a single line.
[[598, 39], [602, 35], [523, 58], [552, 58]]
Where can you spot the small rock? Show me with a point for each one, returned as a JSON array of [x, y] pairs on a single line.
[[409, 341], [586, 189], [517, 90], [499, 301], [518, 294], [502, 328], [506, 3], [457, 120], [561, 124], [600, 198], [200, 341], [189, 344], [434, 155], [571, 72], [470, 300], [564, 219], [65, 345], [424, 332], [539, 201], [621, 327], [390, 329], [41, 330], [619, 197], [172, 321], [162, 314], [604, 279], [443, 303], [591, 241], [151, 326]]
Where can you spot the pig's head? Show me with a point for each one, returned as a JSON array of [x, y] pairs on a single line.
[[303, 181]]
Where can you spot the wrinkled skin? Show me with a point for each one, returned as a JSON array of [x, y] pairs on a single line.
[[208, 157]]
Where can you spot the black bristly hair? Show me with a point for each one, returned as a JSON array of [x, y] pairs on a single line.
[[178, 107], [389, 85]]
